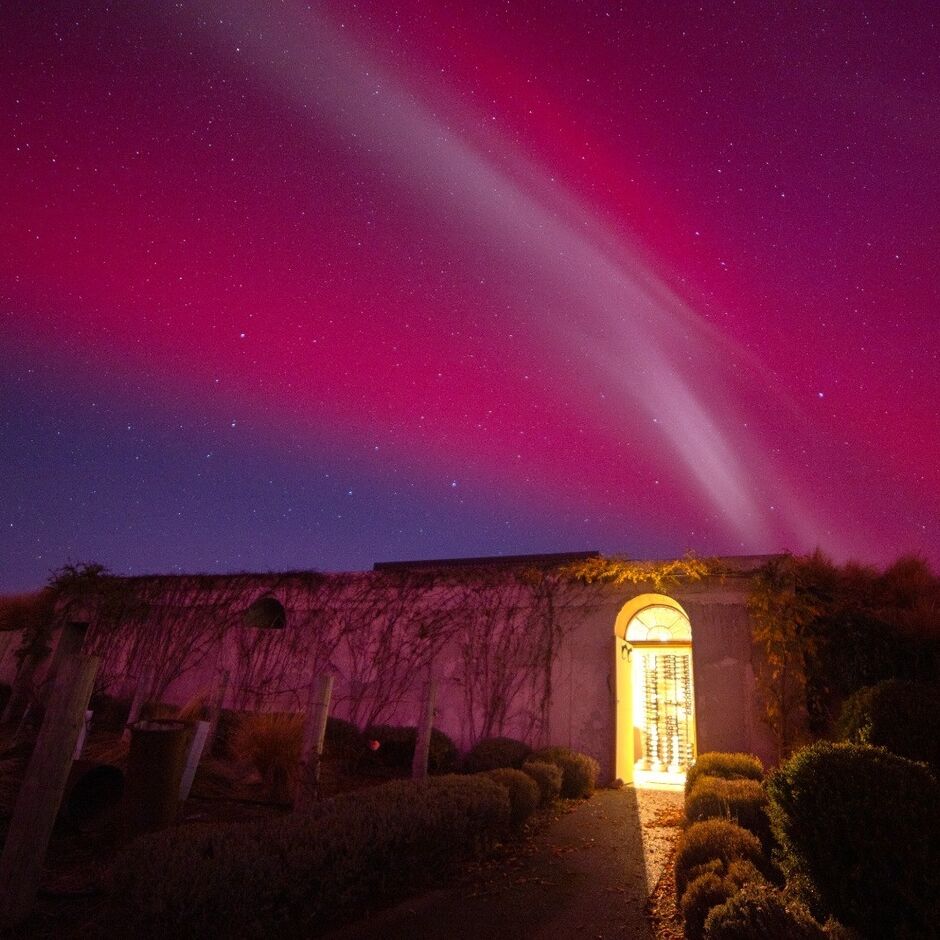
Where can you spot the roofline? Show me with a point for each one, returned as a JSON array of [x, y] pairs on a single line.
[[545, 560]]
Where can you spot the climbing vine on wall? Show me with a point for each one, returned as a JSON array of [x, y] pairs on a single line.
[[783, 612], [661, 575]]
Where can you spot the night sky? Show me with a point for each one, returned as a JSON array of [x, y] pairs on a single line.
[[293, 285]]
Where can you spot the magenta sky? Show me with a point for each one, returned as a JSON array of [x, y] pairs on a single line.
[[311, 285]]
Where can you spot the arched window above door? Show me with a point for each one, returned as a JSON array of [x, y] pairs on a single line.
[[659, 624]]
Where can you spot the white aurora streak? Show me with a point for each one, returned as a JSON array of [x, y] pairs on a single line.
[[627, 327]]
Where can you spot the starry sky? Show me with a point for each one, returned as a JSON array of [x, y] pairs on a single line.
[[289, 285]]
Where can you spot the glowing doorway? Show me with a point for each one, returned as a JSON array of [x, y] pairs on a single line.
[[656, 708]]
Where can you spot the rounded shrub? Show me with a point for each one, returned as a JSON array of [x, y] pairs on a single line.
[[859, 825], [578, 771], [491, 753], [759, 912], [741, 800], [523, 793], [343, 739], [703, 893], [396, 748], [714, 840], [727, 766], [903, 717], [713, 887], [712, 884], [547, 777]]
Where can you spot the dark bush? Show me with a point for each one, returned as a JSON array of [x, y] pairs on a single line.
[[902, 716], [726, 766], [491, 753], [397, 748], [859, 825], [578, 771], [703, 893], [759, 912], [343, 739], [714, 840], [741, 800], [523, 792], [711, 888], [295, 873], [548, 778]]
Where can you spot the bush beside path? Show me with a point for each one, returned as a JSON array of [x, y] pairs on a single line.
[[588, 874]]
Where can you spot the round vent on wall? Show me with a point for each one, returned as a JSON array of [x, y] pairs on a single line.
[[266, 613]]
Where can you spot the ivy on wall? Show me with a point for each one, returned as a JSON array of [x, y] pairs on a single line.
[[661, 575], [782, 613], [379, 631]]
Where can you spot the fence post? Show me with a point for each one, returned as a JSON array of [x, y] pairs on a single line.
[[40, 796], [318, 710], [215, 713], [140, 699], [419, 765]]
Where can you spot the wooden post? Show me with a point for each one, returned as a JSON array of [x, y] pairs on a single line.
[[318, 710], [215, 713], [82, 735], [40, 796], [140, 699], [198, 743], [419, 765]]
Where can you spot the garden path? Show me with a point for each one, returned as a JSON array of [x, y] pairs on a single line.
[[587, 875]]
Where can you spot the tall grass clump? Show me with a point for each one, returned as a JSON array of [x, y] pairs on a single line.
[[270, 742]]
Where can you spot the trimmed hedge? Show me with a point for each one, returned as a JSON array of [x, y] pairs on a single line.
[[578, 771], [758, 912], [397, 748], [727, 766], [295, 873], [902, 716], [548, 778], [710, 889], [741, 800], [860, 825], [492, 753], [703, 893], [714, 840], [343, 739], [523, 793]]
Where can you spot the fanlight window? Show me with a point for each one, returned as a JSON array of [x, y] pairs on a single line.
[[659, 624]]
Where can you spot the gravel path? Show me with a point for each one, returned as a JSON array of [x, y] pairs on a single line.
[[587, 875]]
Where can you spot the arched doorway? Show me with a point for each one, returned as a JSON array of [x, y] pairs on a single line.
[[655, 717]]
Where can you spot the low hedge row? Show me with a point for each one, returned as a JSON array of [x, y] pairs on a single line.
[[493, 753], [711, 888], [741, 800], [396, 748], [726, 847], [712, 846], [758, 912], [727, 766], [294, 873]]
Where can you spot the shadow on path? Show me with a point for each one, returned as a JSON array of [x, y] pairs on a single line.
[[587, 875]]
